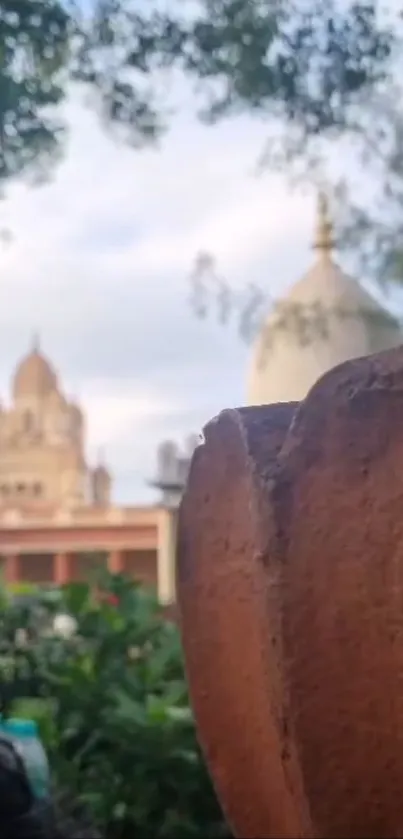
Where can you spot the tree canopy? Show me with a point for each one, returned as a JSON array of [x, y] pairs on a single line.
[[304, 62], [322, 75]]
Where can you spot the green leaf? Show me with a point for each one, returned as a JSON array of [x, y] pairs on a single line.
[[77, 597], [118, 730]]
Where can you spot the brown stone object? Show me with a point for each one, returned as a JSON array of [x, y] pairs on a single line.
[[290, 587]]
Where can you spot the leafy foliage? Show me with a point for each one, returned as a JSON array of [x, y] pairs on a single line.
[[34, 44], [112, 704], [323, 76], [305, 62]]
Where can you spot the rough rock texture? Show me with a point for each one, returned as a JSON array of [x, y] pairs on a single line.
[[290, 584]]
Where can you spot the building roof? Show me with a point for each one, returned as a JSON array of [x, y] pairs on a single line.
[[34, 376], [326, 318]]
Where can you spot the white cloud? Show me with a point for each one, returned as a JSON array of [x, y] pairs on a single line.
[[100, 262], [110, 415]]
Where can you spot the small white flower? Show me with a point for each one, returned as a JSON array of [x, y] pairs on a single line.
[[64, 625]]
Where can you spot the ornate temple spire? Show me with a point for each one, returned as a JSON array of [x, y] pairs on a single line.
[[324, 237]]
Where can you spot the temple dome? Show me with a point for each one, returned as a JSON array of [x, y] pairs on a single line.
[[34, 377], [326, 318]]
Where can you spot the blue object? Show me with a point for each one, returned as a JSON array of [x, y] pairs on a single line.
[[25, 738], [20, 728]]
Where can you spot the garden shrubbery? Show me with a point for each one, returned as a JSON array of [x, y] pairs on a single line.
[[108, 691]]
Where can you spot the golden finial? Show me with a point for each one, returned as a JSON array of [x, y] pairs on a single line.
[[324, 239]]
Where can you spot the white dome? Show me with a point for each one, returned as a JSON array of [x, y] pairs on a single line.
[[343, 322]]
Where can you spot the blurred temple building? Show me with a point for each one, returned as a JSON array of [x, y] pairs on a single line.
[[58, 521], [325, 318]]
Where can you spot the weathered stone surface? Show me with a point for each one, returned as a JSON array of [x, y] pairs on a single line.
[[224, 588], [290, 584]]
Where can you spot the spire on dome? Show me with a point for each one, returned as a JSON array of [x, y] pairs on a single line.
[[36, 343], [101, 483], [324, 238]]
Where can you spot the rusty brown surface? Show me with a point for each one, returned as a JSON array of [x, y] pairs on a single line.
[[290, 585]]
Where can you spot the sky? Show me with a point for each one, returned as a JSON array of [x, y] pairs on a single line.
[[99, 266]]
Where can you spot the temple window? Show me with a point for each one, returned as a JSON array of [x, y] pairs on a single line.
[[20, 488], [37, 488]]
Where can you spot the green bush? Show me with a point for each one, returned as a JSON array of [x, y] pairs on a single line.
[[112, 705]]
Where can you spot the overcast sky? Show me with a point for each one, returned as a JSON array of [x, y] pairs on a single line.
[[99, 266]]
